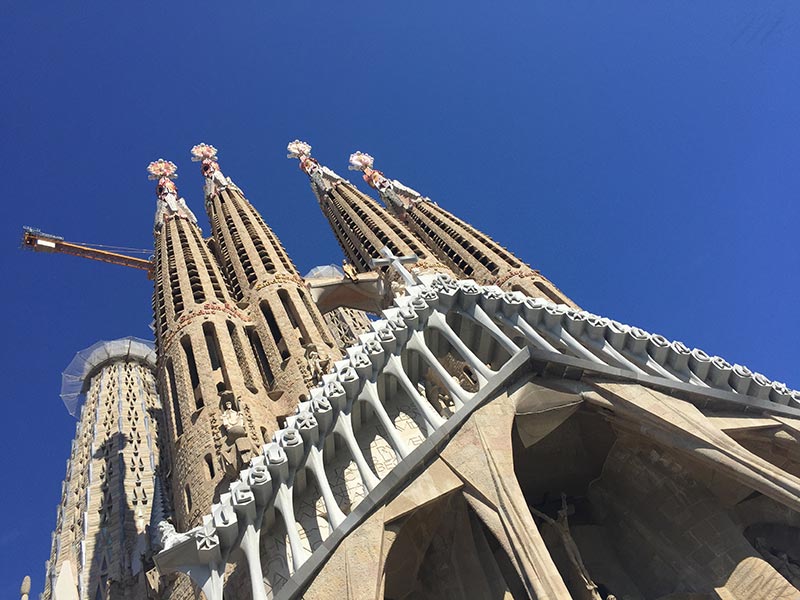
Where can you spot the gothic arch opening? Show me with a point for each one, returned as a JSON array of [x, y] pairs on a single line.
[[443, 550]]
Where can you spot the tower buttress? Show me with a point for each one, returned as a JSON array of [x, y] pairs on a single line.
[[207, 378], [469, 252], [287, 325], [361, 226]]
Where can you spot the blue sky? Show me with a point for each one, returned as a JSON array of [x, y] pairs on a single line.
[[644, 155]]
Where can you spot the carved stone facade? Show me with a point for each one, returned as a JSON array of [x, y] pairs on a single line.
[[346, 324]]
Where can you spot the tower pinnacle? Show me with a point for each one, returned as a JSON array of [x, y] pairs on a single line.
[[387, 188], [207, 155], [321, 177], [169, 204]]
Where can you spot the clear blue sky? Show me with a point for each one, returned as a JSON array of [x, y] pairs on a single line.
[[643, 155]]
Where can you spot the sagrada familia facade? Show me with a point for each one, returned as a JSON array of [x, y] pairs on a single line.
[[434, 420]]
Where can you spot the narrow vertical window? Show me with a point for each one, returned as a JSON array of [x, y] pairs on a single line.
[[186, 344], [261, 357], [277, 336], [173, 391], [210, 466], [211, 344], [546, 291], [240, 357], [188, 494]]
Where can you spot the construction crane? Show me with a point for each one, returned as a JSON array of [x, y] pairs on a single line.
[[38, 241]]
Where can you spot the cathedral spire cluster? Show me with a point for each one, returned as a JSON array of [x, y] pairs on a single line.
[[421, 449]]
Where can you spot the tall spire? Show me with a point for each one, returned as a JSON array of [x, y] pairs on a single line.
[[361, 226], [205, 369], [266, 283], [169, 205], [468, 251]]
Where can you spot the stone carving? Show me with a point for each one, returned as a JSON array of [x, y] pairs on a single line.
[[561, 525], [317, 363], [232, 421], [168, 537], [237, 449], [349, 270]]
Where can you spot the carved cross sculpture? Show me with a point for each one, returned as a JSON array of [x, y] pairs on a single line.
[[397, 262]]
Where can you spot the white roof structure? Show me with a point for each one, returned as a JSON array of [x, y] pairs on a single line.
[[325, 272], [75, 378]]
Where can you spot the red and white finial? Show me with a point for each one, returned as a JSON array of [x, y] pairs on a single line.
[[202, 152], [162, 168], [359, 161]]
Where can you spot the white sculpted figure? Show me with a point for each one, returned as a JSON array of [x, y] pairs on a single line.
[[232, 421], [317, 363], [168, 536]]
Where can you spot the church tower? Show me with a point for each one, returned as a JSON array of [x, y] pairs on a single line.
[[214, 402], [101, 542], [288, 336], [361, 226], [469, 252]]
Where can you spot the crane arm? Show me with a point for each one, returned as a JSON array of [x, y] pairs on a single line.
[[37, 241]]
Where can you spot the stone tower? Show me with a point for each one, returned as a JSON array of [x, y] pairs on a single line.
[[361, 226], [101, 545], [207, 374], [468, 252], [287, 326]]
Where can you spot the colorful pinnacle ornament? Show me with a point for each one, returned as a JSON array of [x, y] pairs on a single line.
[[162, 168], [360, 161], [202, 152], [298, 149]]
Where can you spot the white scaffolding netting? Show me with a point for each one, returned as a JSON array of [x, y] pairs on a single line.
[[325, 272], [75, 378]]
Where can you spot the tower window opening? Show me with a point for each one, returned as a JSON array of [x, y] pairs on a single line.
[[244, 365], [546, 291], [195, 281], [188, 493], [173, 391], [261, 357], [294, 317], [211, 344], [186, 344], [210, 466], [277, 336]]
